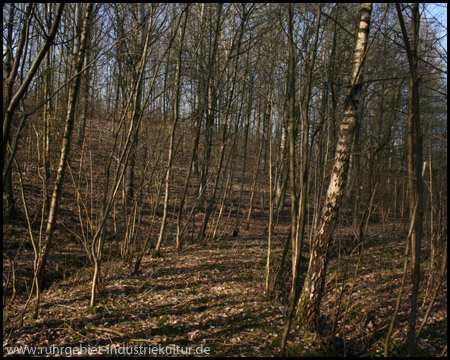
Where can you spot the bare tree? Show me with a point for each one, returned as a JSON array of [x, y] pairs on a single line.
[[300, 220], [311, 296], [10, 100], [77, 64], [175, 118], [415, 182]]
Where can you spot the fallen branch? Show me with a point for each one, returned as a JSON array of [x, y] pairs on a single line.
[[106, 330], [146, 341]]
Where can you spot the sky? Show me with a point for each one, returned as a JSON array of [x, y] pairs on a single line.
[[439, 12]]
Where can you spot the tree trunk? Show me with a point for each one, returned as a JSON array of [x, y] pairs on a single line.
[[176, 106], [269, 237], [46, 127], [129, 172], [292, 133], [210, 99], [310, 299], [415, 182], [77, 64], [297, 237], [98, 238], [10, 101], [10, 107]]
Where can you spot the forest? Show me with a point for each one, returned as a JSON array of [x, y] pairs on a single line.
[[224, 179]]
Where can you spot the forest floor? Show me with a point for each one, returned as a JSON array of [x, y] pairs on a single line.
[[210, 301]]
